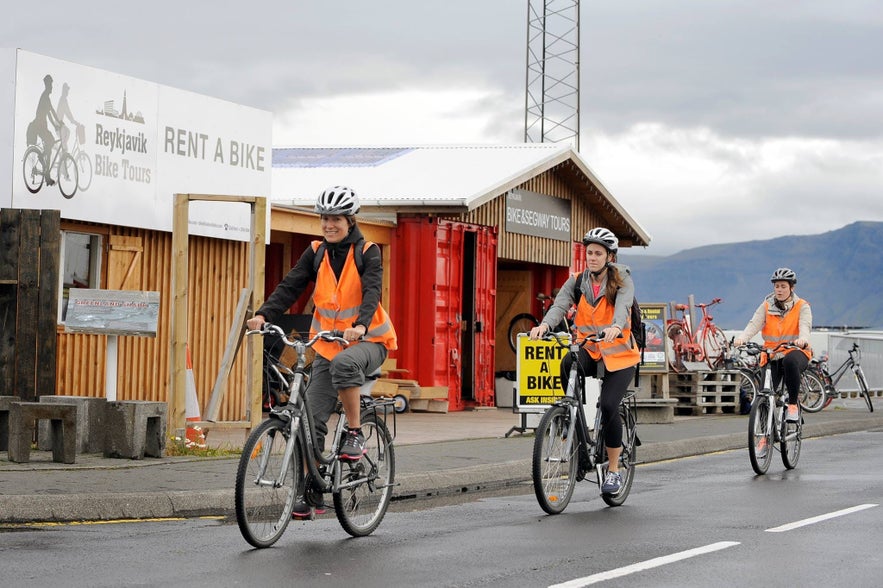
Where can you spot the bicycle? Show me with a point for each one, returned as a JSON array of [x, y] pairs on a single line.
[[565, 450], [271, 473], [709, 344], [62, 163], [525, 321], [766, 423], [819, 400], [748, 377]]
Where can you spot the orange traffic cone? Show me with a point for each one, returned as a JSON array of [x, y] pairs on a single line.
[[195, 438]]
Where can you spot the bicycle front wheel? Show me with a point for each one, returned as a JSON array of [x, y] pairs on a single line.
[[812, 392], [263, 496], [714, 345], [520, 323], [627, 459], [555, 461], [32, 168], [84, 171], [792, 439], [366, 485], [863, 387], [68, 176], [760, 435]]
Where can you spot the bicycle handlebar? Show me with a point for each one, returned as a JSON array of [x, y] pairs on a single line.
[[753, 348], [271, 329], [590, 338]]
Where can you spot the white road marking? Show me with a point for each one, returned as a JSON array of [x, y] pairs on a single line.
[[645, 565], [820, 518]]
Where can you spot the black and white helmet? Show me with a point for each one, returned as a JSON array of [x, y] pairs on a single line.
[[338, 200], [784, 274], [602, 237]]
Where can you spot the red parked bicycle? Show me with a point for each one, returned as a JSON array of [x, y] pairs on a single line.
[[709, 344]]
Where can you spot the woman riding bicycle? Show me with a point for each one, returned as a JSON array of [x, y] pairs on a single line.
[[783, 317], [604, 302], [347, 299]]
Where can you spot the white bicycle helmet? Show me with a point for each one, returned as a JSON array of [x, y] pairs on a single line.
[[784, 274], [338, 200], [602, 237]]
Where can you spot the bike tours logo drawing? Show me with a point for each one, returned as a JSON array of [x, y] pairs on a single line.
[[52, 156], [56, 156]]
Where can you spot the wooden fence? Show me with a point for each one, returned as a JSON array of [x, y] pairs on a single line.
[[29, 265]]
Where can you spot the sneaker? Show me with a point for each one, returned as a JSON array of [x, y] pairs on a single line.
[[760, 450], [792, 415], [612, 483], [353, 447], [302, 510]]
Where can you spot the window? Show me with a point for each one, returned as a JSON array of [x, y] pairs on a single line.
[[80, 264]]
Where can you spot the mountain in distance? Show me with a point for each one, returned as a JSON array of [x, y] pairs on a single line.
[[840, 273]]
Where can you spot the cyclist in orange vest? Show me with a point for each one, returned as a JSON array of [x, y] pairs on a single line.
[[346, 298], [783, 317], [603, 308]]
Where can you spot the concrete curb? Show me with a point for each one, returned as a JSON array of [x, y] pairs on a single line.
[[420, 486]]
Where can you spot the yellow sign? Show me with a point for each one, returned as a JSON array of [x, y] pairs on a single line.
[[539, 372]]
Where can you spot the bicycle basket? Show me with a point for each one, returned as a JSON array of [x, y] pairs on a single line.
[[81, 134]]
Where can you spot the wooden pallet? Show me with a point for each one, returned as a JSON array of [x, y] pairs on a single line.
[[706, 392], [429, 405]]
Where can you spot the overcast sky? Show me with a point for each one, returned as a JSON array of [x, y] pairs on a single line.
[[710, 121]]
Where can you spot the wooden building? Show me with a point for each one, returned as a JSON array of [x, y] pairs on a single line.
[[480, 231]]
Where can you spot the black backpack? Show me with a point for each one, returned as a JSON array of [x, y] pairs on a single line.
[[361, 246]]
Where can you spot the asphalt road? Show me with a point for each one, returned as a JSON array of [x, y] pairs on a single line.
[[697, 521]]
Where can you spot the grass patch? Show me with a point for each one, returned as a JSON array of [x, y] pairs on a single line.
[[178, 447]]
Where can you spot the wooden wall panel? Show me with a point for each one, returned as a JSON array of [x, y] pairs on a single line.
[[218, 270], [528, 248]]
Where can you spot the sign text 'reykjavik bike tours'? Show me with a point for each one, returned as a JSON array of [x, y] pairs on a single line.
[[529, 213], [135, 144], [538, 374], [112, 312]]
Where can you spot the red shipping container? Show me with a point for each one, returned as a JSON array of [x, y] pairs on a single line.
[[442, 303]]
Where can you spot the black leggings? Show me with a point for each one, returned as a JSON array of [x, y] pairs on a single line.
[[791, 366], [613, 390]]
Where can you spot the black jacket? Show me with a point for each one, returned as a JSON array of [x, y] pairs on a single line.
[[300, 276]]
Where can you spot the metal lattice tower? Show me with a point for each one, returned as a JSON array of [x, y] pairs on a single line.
[[551, 109]]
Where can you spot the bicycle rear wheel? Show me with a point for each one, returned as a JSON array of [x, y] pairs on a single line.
[[627, 458], [554, 466], [263, 499], [760, 435], [676, 350], [812, 392], [863, 387], [32, 169], [714, 344], [748, 389], [791, 440], [366, 485], [520, 323]]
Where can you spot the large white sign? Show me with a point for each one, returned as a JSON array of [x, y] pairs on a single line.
[[122, 147]]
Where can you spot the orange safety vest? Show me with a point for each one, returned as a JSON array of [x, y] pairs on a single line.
[[618, 354], [781, 328], [337, 306]]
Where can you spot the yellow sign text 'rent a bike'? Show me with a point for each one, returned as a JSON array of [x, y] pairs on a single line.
[[539, 374]]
